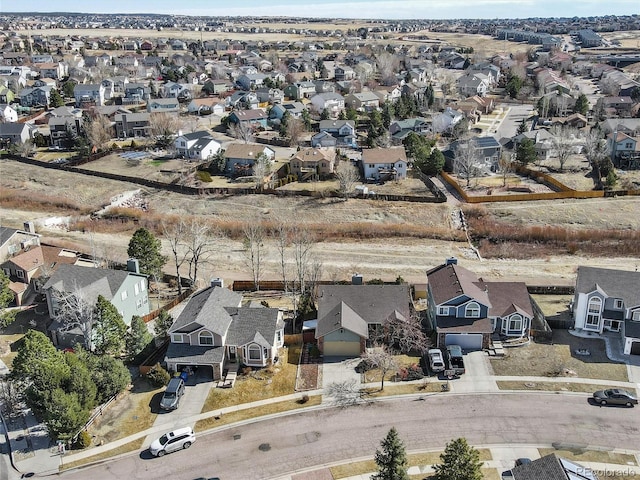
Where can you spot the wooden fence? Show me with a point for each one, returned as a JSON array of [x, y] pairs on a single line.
[[153, 315], [96, 413]]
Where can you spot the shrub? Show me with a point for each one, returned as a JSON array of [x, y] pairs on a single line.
[[204, 176], [264, 303], [133, 144], [158, 376], [83, 440], [412, 372], [304, 399]]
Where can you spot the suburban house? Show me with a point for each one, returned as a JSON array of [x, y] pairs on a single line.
[[552, 467], [608, 300], [624, 150], [240, 157], [89, 94], [382, 164], [256, 118], [313, 162], [8, 113], [137, 92], [12, 240], [300, 90], [62, 130], [215, 331], [35, 97], [295, 109], [349, 316], [29, 269], [330, 101], [132, 124], [473, 83], [197, 145], [465, 310], [335, 133], [543, 142], [251, 81], [363, 101], [206, 106], [163, 105], [446, 120], [486, 151], [400, 129], [126, 290], [14, 133]]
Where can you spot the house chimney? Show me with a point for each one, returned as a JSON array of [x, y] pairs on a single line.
[[133, 265], [451, 261], [356, 279], [29, 227], [217, 282]]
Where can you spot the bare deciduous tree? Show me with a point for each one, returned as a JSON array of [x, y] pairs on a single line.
[[25, 149], [99, 131], [295, 128], [387, 64], [283, 237], [175, 233], [345, 394], [241, 131], [563, 140], [405, 334], [253, 243], [73, 310], [382, 359], [347, 176], [505, 162], [464, 162], [199, 242], [163, 127], [261, 169]]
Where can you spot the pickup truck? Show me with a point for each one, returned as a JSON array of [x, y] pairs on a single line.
[[455, 362], [436, 361]]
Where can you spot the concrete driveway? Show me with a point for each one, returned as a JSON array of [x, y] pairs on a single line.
[[197, 388], [339, 370]]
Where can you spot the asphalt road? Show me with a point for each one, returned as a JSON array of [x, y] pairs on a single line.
[[274, 447]]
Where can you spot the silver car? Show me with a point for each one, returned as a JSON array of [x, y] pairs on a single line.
[[615, 396]]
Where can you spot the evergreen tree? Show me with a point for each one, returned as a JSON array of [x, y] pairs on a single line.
[[324, 115], [526, 151], [68, 88], [352, 114], [110, 375], [434, 164], [513, 86], [582, 105], [460, 461], [387, 114], [108, 333], [6, 297], [391, 459], [306, 119], [137, 338], [163, 324], [522, 128], [429, 95], [55, 99], [146, 248]]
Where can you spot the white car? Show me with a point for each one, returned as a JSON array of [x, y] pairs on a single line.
[[436, 360], [172, 441]]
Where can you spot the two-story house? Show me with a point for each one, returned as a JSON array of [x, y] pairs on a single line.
[[240, 157], [473, 83], [465, 310], [196, 145], [132, 124], [300, 90], [254, 119], [126, 290], [14, 133], [313, 163], [35, 97], [331, 102], [13, 240], [89, 94], [216, 332], [335, 133], [608, 300], [363, 101], [383, 164], [8, 113]]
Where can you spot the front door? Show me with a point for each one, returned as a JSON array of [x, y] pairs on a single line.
[[232, 353]]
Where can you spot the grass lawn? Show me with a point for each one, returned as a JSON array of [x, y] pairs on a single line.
[[592, 456], [544, 360], [7, 347], [550, 386], [270, 382], [255, 412], [414, 460], [374, 375], [127, 447], [431, 386]]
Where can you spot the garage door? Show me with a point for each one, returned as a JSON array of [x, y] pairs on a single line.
[[468, 341], [635, 348], [341, 349]]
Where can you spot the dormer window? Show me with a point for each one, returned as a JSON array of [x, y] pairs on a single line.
[[443, 311], [635, 316], [472, 310], [205, 338], [618, 304]]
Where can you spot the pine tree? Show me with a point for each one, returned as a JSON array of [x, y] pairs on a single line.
[[392, 459], [460, 461], [526, 151], [108, 333], [146, 248], [137, 338]]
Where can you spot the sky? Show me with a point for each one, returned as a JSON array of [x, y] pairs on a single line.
[[384, 9]]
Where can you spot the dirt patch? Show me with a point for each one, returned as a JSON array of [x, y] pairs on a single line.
[[560, 359]]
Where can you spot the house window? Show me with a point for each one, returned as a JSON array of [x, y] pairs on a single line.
[[139, 303], [124, 295], [593, 313], [472, 310], [7, 272], [254, 352], [443, 310], [612, 325], [135, 289], [618, 304], [205, 338], [20, 273], [515, 323], [143, 285], [635, 316], [278, 336], [176, 338]]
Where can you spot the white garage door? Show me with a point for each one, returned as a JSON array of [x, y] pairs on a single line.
[[468, 341], [341, 349]]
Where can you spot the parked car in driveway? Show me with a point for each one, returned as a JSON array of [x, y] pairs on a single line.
[[179, 439], [436, 360], [173, 393], [615, 396]]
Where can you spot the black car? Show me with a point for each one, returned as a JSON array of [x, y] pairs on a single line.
[[615, 396]]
